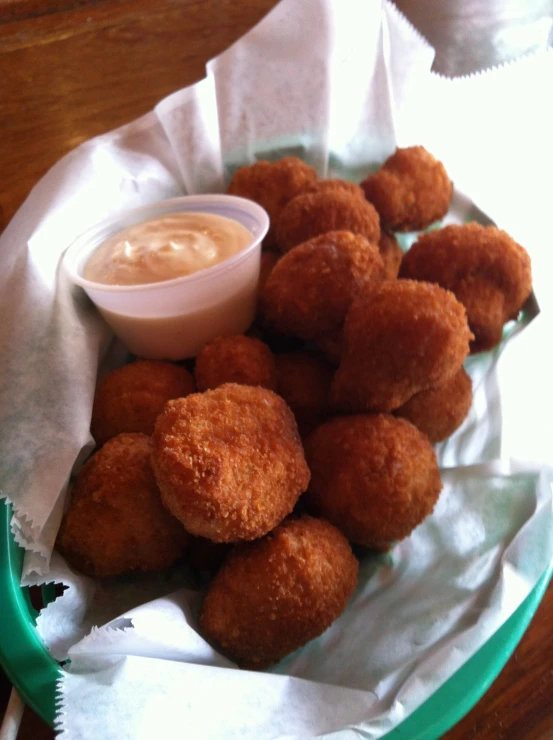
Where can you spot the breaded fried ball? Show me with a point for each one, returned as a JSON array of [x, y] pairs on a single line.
[[441, 409], [410, 191], [400, 338], [311, 288], [229, 462], [374, 477], [391, 254], [273, 596], [235, 359], [311, 214], [116, 522], [336, 184], [130, 398], [486, 269], [303, 380], [272, 185]]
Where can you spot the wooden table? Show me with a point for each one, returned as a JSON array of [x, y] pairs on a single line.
[[72, 69]]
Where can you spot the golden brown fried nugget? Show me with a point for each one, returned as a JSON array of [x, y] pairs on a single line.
[[400, 338], [303, 380], [229, 462], [272, 185], [391, 254], [374, 477], [311, 288], [410, 191], [274, 595], [235, 359], [311, 214], [336, 184], [116, 522], [486, 269], [130, 398], [440, 410]]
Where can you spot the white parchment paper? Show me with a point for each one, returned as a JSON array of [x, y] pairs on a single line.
[[339, 84]]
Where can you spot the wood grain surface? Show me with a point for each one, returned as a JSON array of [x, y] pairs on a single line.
[[71, 70]]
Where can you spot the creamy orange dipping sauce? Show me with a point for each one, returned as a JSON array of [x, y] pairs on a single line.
[[165, 248]]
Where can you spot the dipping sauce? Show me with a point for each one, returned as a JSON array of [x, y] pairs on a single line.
[[167, 247]]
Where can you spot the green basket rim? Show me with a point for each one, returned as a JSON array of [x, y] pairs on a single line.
[[460, 693], [24, 657], [34, 672]]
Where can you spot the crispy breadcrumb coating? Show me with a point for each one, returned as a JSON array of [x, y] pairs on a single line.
[[229, 462], [311, 214], [272, 185], [400, 337], [440, 410], [130, 398], [303, 380], [375, 477], [410, 191], [274, 595], [116, 522], [336, 184], [486, 269], [309, 291], [235, 359]]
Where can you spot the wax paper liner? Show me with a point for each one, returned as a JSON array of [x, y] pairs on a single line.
[[342, 102], [419, 613]]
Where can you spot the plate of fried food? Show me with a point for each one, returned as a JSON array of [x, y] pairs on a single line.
[[289, 463]]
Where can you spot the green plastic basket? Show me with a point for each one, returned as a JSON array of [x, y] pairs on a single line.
[[24, 658], [34, 672]]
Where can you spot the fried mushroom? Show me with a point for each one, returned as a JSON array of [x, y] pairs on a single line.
[[273, 596], [311, 214], [130, 398], [410, 191], [440, 410], [311, 288], [483, 266], [229, 462], [400, 337], [374, 477], [272, 185], [303, 380], [235, 359], [116, 522]]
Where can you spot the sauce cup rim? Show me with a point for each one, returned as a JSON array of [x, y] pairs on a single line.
[[71, 263]]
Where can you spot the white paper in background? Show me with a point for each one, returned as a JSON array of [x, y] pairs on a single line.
[[502, 519], [493, 132]]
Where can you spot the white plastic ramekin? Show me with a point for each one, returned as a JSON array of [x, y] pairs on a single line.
[[174, 319]]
